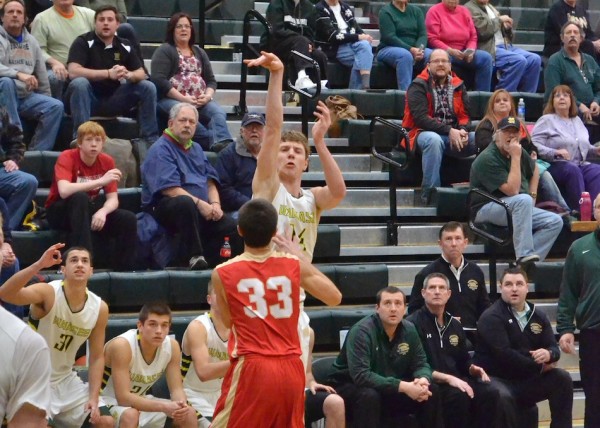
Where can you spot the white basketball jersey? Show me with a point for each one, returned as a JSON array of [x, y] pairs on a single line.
[[300, 214], [217, 351], [142, 374], [65, 331]]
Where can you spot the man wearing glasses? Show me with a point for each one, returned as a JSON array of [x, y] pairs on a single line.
[[580, 72], [437, 115]]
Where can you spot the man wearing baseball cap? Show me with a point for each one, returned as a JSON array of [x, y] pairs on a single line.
[[237, 162], [506, 171]]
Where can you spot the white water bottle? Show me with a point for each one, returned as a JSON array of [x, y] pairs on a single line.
[[521, 109]]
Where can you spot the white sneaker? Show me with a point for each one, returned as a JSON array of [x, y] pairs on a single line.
[[305, 83]]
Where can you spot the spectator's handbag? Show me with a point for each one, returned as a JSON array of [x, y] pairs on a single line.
[[340, 109], [35, 218]]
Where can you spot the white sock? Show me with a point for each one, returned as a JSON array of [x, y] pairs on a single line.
[[301, 74]]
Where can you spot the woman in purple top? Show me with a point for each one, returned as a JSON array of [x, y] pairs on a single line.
[[563, 140]]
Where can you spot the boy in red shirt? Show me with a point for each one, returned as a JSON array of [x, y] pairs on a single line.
[[73, 203]]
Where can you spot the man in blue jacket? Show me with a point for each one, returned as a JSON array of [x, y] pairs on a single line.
[[237, 162]]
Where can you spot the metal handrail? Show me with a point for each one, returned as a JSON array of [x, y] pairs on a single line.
[[242, 106], [406, 147], [484, 233], [392, 230]]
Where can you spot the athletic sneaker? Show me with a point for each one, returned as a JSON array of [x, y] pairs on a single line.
[[525, 260], [305, 83], [198, 263]]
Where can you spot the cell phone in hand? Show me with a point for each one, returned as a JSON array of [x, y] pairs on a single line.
[[468, 52]]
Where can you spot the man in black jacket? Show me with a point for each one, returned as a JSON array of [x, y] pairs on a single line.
[[294, 23], [469, 297], [517, 348], [464, 387]]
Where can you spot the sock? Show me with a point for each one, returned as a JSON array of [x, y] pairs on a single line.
[[366, 80], [302, 73]]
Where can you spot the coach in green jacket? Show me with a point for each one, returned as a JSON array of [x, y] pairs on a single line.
[[580, 301], [382, 369]]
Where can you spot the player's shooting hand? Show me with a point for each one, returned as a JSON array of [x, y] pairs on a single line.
[[51, 256], [322, 123], [266, 60]]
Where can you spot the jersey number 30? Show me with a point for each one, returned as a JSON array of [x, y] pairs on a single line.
[[259, 306]]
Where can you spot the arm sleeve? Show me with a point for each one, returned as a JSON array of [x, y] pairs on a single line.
[[359, 356], [570, 290], [483, 134], [231, 198], [485, 26], [40, 72], [416, 299], [78, 53], [161, 66], [207, 71], [39, 31], [493, 332], [539, 136], [472, 42], [433, 23], [552, 76]]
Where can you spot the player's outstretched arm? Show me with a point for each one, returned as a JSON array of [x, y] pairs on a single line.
[[14, 291], [329, 196], [318, 285], [266, 181], [221, 298]]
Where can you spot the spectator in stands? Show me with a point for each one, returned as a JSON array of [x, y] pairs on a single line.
[[10, 262], [136, 360], [506, 171], [467, 397], [519, 70], [579, 294], [294, 24], [74, 204], [403, 40], [24, 87], [204, 359], [321, 400], [469, 297], [382, 369], [237, 162], [342, 39], [579, 71], [182, 72], [108, 77], [17, 188], [518, 350], [561, 13], [180, 190], [562, 139], [500, 105], [437, 114], [450, 27], [56, 29]]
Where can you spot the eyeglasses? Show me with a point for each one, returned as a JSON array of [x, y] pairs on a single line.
[[439, 61], [183, 26]]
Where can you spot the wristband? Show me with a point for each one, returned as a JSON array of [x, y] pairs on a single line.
[[533, 195]]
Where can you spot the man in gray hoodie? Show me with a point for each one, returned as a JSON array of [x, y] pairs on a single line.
[[24, 86]]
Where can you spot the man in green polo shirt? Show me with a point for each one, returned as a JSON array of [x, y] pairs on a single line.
[[506, 171]]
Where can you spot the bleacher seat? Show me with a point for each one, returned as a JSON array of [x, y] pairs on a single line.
[[136, 288]]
